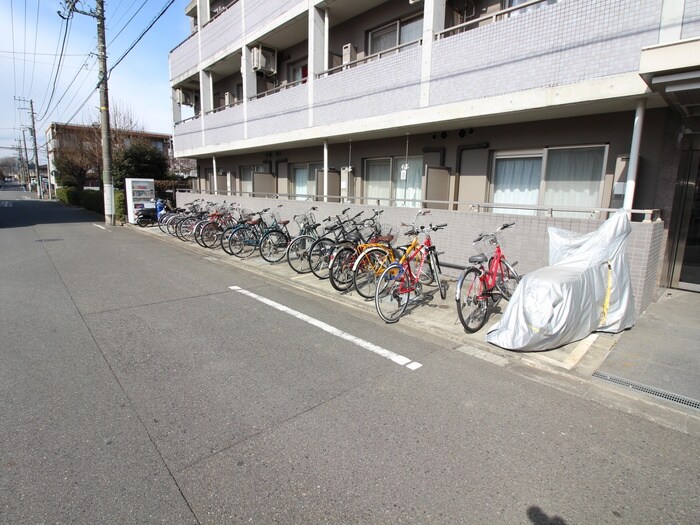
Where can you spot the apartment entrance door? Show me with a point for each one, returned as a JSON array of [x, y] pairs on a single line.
[[686, 264]]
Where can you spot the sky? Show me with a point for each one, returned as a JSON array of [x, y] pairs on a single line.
[[32, 48]]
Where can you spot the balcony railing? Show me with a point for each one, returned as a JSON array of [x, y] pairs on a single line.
[[370, 58], [492, 17]]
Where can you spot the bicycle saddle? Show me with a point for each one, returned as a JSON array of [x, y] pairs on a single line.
[[475, 259]]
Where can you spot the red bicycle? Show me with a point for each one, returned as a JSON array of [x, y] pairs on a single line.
[[481, 287]]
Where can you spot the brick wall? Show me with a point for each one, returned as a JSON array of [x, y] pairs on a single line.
[[526, 243]]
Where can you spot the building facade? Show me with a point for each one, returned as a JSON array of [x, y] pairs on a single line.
[[552, 111], [85, 144]]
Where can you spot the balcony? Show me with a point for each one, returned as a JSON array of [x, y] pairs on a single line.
[[564, 44]]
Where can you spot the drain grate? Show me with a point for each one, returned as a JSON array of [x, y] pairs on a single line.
[[681, 400]]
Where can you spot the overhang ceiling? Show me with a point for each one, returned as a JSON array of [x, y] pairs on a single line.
[[673, 71]]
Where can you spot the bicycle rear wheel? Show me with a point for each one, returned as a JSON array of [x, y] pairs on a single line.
[[391, 296], [210, 235], [507, 280], [435, 268], [340, 270], [298, 253], [185, 228], [368, 269], [472, 304], [273, 246]]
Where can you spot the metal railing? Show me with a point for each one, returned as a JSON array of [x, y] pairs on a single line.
[[369, 58], [649, 215], [492, 17]]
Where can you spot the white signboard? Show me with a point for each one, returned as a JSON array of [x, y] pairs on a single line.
[[140, 194]]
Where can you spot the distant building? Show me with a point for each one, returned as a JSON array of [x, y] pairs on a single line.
[[85, 142]]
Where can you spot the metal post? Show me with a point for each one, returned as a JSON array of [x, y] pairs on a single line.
[[634, 154]]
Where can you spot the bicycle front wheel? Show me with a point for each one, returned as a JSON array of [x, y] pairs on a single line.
[[507, 280], [298, 253], [320, 257], [368, 269], [243, 242], [472, 304], [273, 246], [391, 296]]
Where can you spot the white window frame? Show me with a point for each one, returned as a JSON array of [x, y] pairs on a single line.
[[391, 200], [543, 153], [397, 25]]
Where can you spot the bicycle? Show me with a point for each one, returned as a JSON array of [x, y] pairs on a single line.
[[348, 252], [400, 279], [482, 286], [299, 247], [321, 250]]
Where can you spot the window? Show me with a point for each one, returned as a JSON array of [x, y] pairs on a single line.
[[557, 177], [302, 182], [298, 71], [515, 3], [396, 181], [395, 33], [246, 177]]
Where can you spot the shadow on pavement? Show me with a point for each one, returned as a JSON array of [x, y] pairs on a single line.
[[20, 213]]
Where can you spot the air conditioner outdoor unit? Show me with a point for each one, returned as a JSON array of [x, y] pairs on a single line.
[[349, 53], [185, 97], [265, 60], [228, 99]]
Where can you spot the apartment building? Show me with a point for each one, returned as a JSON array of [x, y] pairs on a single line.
[[551, 111], [84, 143]]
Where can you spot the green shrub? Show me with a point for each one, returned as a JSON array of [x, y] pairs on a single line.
[[120, 205], [92, 200], [69, 195]]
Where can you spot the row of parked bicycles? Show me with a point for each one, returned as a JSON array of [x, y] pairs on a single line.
[[354, 252]]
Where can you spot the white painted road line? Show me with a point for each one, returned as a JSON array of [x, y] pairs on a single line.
[[383, 352], [102, 227]]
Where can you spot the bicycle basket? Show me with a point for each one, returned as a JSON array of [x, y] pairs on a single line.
[[487, 246], [271, 218]]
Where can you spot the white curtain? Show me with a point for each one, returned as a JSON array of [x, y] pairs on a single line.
[[300, 182], [517, 181], [381, 39], [573, 178], [410, 187], [378, 181], [411, 30], [247, 179]]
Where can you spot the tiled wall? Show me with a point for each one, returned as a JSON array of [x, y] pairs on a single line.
[[188, 135], [384, 86], [691, 19], [283, 111], [557, 44], [184, 57], [526, 243]]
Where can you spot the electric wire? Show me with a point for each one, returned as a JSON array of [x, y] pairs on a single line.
[[58, 69], [36, 36], [143, 33]]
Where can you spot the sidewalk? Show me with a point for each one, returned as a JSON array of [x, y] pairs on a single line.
[[658, 358]]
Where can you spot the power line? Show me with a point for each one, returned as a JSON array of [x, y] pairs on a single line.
[[58, 69], [143, 33]]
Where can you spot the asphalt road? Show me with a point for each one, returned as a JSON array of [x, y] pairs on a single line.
[[137, 387]]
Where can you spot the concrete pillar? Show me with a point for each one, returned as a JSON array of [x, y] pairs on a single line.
[[433, 21]]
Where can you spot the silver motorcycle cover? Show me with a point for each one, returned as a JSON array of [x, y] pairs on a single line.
[[586, 288]]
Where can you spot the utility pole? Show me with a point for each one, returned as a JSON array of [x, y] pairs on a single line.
[[39, 189], [99, 15], [26, 162]]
